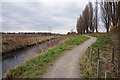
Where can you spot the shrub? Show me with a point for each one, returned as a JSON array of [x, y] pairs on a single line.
[[114, 29]]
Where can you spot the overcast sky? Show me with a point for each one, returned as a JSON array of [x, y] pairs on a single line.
[[41, 16]]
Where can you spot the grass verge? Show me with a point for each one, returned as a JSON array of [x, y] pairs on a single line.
[[105, 43], [36, 66]]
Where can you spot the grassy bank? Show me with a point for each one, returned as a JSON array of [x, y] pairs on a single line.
[[36, 66], [105, 42]]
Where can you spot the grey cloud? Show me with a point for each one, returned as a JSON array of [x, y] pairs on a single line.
[[33, 16]]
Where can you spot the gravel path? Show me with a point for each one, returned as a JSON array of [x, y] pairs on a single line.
[[67, 65]]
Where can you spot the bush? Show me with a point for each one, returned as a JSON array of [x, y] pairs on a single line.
[[114, 29]]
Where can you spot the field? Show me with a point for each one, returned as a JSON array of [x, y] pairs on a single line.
[[12, 42]]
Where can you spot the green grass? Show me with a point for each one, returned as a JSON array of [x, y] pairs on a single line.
[[105, 44], [36, 66]]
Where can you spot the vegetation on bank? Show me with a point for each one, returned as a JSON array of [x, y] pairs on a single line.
[[114, 29], [36, 66], [13, 42], [88, 65]]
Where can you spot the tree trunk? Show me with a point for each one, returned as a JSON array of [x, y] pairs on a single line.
[[107, 30], [119, 40], [87, 30], [92, 30]]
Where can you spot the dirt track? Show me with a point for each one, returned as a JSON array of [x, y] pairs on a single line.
[[67, 65]]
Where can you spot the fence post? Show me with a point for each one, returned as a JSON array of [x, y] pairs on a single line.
[[91, 56], [99, 67], [107, 75], [98, 53], [113, 55], [88, 53]]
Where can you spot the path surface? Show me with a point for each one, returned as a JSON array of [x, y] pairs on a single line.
[[67, 65]]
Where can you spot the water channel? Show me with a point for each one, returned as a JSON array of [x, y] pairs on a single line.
[[21, 56]]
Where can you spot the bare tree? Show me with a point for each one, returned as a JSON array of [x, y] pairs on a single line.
[[86, 18], [80, 25], [83, 21], [105, 10], [96, 16], [118, 39], [91, 17], [114, 13]]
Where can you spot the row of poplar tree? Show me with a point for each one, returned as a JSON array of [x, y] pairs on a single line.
[[88, 20]]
